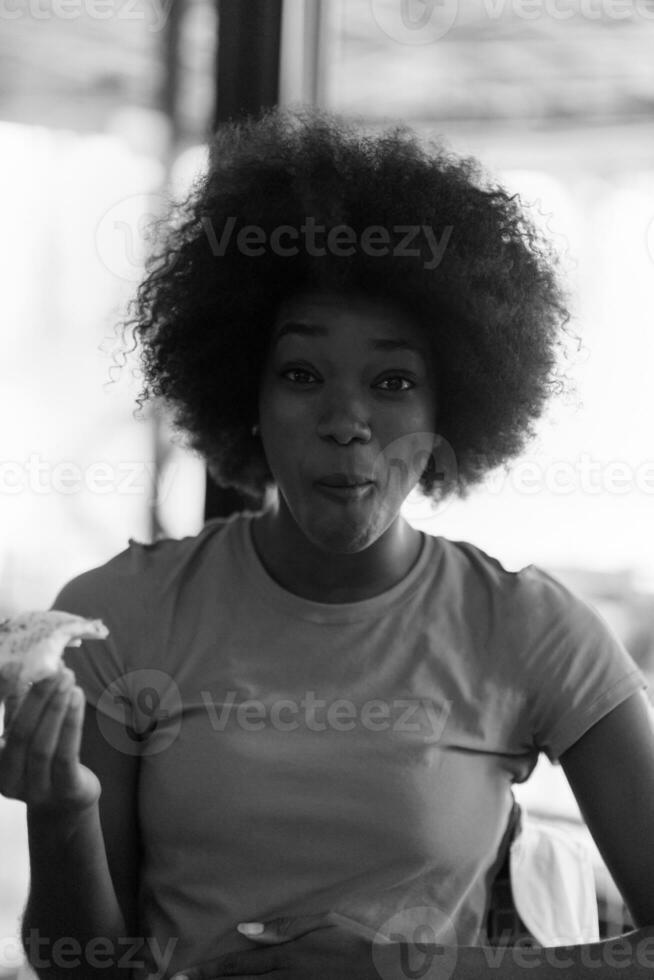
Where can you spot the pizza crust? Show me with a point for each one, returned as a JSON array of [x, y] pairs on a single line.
[[32, 643]]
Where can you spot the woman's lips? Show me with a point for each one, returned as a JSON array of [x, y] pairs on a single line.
[[345, 494]]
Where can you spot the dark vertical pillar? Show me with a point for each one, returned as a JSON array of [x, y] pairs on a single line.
[[168, 104], [247, 80], [247, 72]]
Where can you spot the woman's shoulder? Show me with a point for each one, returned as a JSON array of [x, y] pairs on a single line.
[[527, 596], [143, 567], [476, 575], [470, 560], [142, 555]]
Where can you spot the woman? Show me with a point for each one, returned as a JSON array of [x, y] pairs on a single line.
[[312, 710]]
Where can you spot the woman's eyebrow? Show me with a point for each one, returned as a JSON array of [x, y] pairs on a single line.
[[313, 330]]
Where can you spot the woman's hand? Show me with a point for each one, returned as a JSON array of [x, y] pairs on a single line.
[[326, 946], [39, 748]]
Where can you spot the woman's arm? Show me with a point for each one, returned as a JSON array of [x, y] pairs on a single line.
[[611, 772], [73, 920], [83, 845]]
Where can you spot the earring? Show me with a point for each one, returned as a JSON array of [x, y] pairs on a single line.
[[255, 429]]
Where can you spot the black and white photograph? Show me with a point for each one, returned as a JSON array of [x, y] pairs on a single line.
[[327, 490]]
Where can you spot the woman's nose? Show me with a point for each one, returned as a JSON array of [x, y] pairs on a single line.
[[343, 422]]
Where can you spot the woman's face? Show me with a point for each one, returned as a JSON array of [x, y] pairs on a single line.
[[347, 394]]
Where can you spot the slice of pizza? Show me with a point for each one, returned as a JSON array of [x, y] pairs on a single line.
[[32, 643]]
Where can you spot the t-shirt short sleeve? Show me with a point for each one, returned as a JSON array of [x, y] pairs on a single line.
[[576, 670], [117, 593]]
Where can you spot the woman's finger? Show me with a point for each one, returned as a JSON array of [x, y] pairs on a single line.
[[19, 734], [12, 704], [65, 762], [44, 742], [30, 700]]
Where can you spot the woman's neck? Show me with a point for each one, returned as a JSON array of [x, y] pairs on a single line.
[[302, 568]]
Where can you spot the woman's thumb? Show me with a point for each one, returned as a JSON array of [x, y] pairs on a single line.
[[283, 928]]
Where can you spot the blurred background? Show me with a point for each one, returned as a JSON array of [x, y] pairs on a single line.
[[105, 106]]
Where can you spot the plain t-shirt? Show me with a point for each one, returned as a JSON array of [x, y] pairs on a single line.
[[299, 756]]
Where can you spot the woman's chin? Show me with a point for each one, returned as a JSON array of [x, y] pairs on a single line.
[[341, 536]]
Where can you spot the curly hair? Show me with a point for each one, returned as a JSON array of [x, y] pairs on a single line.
[[493, 307]]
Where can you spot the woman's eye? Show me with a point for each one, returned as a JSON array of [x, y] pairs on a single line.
[[304, 375], [297, 371], [398, 377]]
